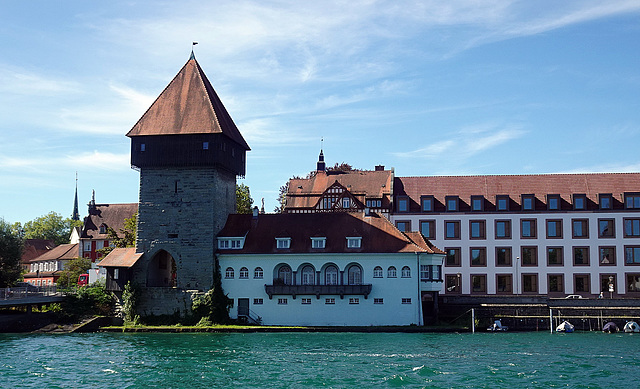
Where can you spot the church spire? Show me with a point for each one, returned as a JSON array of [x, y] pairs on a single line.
[[321, 167], [76, 214]]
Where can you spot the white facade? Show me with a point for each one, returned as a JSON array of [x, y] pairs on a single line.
[[392, 300], [591, 275]]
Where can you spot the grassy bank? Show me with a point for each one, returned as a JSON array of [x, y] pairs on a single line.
[[249, 329]]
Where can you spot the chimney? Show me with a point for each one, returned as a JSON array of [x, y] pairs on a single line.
[[255, 212], [379, 168]]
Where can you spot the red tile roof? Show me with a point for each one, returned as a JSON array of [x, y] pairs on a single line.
[[305, 192], [62, 252], [35, 247], [188, 105], [121, 257], [378, 234], [540, 185], [112, 215]]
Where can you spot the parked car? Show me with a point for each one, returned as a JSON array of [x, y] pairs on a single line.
[[574, 296]]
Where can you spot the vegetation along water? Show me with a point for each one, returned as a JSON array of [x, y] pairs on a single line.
[[338, 360]]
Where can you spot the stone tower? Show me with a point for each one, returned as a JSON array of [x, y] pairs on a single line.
[[188, 152]]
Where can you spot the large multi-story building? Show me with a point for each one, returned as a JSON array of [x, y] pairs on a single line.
[[549, 234], [326, 268]]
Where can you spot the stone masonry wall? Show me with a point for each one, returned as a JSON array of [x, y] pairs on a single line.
[[181, 211]]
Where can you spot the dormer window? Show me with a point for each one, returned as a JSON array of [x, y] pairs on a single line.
[[426, 203], [354, 242], [374, 203], [283, 243], [403, 204], [605, 200], [579, 202], [553, 202], [528, 202], [345, 202], [477, 203], [632, 200], [318, 243], [103, 229], [452, 203], [231, 243], [502, 203]]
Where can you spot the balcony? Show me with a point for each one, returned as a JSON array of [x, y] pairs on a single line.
[[318, 290]]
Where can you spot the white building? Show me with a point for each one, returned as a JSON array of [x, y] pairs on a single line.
[[327, 269], [554, 235]]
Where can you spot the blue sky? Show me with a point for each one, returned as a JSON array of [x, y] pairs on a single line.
[[425, 87]]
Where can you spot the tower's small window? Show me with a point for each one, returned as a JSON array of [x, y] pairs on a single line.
[[142, 147], [205, 145]]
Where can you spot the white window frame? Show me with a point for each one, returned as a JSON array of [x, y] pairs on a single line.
[[283, 243], [258, 273], [318, 243], [354, 242], [354, 300], [406, 300], [233, 243]]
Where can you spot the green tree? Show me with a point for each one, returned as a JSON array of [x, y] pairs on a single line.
[[244, 202], [11, 246], [73, 269], [282, 198], [50, 226]]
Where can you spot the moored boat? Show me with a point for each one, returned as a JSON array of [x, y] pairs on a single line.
[[610, 327], [631, 326], [497, 327], [565, 326]]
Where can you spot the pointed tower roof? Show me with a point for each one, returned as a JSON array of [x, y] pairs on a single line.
[[188, 105]]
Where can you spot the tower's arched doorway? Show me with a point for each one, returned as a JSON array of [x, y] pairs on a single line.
[[162, 270]]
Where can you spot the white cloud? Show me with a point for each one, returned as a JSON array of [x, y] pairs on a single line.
[[466, 143], [16, 81], [96, 160]]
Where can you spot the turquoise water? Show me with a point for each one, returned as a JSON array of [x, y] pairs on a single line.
[[336, 360]]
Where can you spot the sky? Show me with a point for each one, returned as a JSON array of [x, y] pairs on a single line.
[[424, 87]]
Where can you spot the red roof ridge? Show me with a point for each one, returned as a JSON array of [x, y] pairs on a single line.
[[523, 175]]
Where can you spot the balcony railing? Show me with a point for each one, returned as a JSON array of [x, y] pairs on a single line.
[[317, 290]]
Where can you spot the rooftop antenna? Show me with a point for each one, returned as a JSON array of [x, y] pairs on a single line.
[[192, 46]]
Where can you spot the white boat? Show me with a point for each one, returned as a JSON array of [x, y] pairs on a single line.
[[565, 326], [497, 326], [631, 326]]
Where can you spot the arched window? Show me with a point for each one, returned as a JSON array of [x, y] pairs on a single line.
[[244, 273], [377, 272], [355, 275], [406, 272], [284, 274], [391, 272], [308, 275], [228, 273], [331, 275], [258, 272]]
